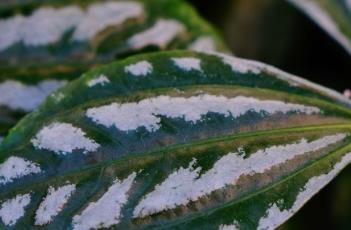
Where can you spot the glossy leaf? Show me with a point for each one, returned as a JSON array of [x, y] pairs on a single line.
[[174, 140], [334, 16], [45, 43]]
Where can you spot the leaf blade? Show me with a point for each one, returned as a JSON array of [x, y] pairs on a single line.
[[276, 134]]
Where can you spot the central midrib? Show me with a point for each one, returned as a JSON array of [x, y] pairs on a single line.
[[145, 155]]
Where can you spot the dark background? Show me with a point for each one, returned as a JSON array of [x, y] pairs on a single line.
[[274, 32]]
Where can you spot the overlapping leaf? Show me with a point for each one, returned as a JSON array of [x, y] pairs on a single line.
[[45, 43], [334, 16], [174, 140]]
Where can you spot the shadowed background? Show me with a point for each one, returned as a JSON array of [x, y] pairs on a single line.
[[274, 32]]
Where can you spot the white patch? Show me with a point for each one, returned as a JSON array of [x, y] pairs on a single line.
[[63, 138], [18, 96], [188, 63], [234, 226], [12, 210], [186, 184], [105, 212], [53, 203], [16, 167], [323, 19], [161, 34], [245, 66], [204, 44], [47, 25], [141, 68], [131, 116], [101, 80], [101, 15], [239, 65], [275, 216], [12, 35], [58, 96]]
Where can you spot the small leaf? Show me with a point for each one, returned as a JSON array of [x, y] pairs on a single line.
[[175, 140], [42, 46], [331, 15]]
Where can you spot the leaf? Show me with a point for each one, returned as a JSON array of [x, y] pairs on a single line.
[[174, 140], [42, 45], [333, 16]]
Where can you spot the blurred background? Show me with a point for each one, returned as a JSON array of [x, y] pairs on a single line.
[[274, 32]]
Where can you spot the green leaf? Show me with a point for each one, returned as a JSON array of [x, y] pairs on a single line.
[[174, 140], [334, 16], [44, 44]]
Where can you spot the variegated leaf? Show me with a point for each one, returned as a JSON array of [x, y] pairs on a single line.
[[44, 44], [334, 16], [175, 140]]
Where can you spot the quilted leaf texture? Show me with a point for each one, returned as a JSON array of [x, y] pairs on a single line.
[[174, 140], [44, 44]]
